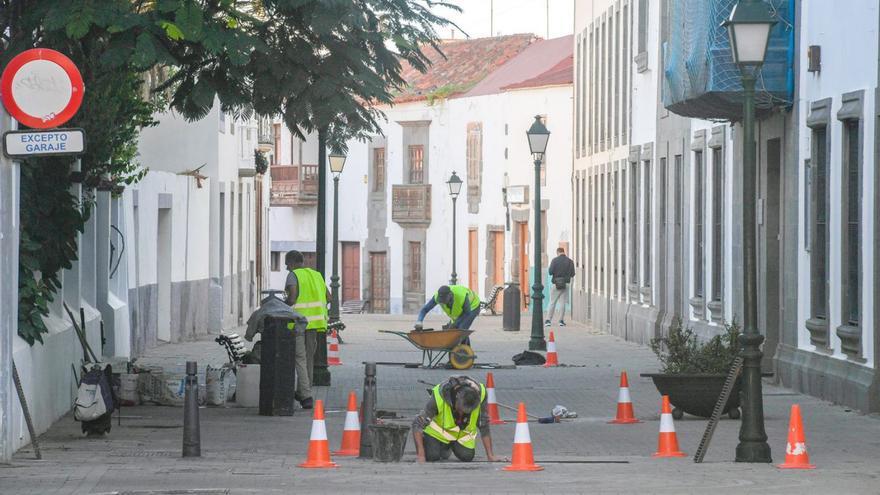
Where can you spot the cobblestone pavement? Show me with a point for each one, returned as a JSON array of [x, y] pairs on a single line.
[[245, 453]]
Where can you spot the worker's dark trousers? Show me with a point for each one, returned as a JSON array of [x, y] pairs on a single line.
[[465, 321], [436, 450]]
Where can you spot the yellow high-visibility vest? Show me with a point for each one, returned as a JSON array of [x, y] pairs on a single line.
[[312, 299], [459, 292], [443, 426]]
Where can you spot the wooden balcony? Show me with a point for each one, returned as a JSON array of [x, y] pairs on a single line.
[[265, 132], [294, 185], [411, 204]]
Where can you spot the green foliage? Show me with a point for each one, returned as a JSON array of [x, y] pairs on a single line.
[[680, 352], [261, 163], [320, 64], [113, 112]]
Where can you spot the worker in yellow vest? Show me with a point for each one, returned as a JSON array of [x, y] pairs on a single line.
[[307, 294], [460, 304], [449, 424]]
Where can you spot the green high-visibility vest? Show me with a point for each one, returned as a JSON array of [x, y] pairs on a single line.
[[459, 293], [312, 299], [443, 426]]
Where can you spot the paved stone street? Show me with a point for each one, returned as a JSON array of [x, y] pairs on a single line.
[[247, 453]]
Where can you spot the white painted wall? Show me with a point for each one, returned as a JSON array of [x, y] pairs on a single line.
[[847, 33]]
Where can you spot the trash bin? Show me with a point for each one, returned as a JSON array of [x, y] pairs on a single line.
[[510, 319], [388, 441], [277, 371]]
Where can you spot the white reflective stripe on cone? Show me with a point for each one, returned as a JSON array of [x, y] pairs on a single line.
[[666, 425], [352, 422], [490, 393], [551, 346], [319, 431], [522, 433], [623, 395]]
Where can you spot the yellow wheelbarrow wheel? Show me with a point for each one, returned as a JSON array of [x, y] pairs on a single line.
[[461, 357]]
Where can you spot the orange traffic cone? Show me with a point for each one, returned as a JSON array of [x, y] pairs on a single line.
[[667, 444], [319, 448], [333, 350], [351, 432], [625, 413], [522, 460], [552, 359], [796, 456], [491, 403]]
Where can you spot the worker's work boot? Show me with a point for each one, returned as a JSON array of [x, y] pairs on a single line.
[[561, 323], [547, 323], [307, 403]]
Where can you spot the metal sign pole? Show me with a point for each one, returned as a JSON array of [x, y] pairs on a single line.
[[9, 227]]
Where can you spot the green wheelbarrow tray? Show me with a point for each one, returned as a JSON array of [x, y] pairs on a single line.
[[437, 344]]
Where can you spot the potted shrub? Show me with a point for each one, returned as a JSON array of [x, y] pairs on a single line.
[[692, 373]]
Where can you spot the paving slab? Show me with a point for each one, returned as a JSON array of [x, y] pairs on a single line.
[[244, 453]]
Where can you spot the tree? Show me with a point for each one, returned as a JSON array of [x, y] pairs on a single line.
[[318, 63]]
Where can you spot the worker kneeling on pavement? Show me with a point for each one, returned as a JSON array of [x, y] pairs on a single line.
[[460, 304], [450, 421]]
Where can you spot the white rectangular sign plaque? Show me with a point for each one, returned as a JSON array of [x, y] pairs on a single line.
[[517, 195], [53, 142]]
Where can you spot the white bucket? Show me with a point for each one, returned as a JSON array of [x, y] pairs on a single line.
[[247, 391], [128, 389]]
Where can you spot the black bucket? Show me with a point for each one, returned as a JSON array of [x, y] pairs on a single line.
[[389, 440]]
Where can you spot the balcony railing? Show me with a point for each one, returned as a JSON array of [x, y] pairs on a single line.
[[411, 204], [265, 132], [294, 185]]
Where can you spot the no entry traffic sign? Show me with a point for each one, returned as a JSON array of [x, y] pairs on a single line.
[[41, 88]]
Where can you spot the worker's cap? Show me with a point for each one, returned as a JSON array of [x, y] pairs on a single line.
[[444, 291]]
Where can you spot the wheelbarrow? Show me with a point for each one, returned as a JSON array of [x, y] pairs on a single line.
[[436, 345]]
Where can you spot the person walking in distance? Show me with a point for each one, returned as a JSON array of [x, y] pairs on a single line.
[[561, 273], [307, 294]]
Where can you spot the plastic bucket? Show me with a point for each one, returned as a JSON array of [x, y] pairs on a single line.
[[389, 440]]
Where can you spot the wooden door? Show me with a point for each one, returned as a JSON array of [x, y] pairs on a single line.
[[497, 266], [378, 283], [351, 271], [523, 256], [473, 260]]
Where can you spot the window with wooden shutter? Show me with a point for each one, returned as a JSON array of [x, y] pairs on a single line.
[[417, 164]]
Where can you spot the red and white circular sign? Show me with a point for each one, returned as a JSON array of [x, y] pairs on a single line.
[[41, 88]]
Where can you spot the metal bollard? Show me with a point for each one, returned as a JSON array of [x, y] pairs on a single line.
[[368, 407], [192, 444]]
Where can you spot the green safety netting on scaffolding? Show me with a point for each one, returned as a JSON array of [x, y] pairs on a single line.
[[700, 77]]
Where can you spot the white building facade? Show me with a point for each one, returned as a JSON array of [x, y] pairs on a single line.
[[406, 219], [658, 211], [170, 259]]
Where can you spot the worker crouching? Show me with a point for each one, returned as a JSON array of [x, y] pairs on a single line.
[[449, 424]]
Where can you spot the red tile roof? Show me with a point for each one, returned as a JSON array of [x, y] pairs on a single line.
[[467, 63], [538, 58], [561, 74]]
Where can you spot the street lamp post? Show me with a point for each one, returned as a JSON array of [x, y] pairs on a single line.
[[454, 184], [337, 163], [749, 29], [538, 136]]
